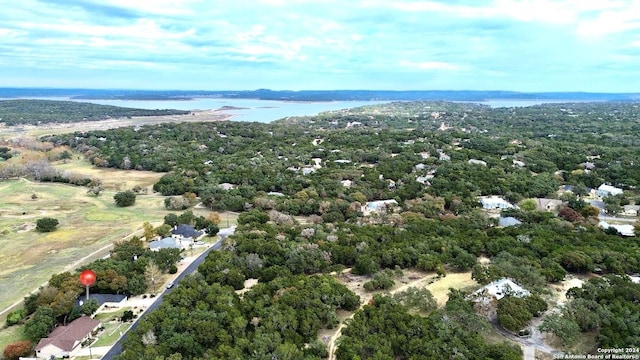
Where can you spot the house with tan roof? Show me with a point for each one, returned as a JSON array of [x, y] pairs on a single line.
[[63, 340]]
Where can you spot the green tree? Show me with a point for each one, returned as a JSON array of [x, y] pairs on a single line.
[[125, 198], [564, 329], [40, 324], [46, 224], [513, 313]]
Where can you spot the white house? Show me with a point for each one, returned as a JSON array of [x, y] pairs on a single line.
[[495, 202], [631, 210], [378, 206], [477, 162], [166, 243], [501, 288], [65, 339], [607, 190], [624, 230]]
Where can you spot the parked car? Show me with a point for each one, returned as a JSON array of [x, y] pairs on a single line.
[[170, 285]]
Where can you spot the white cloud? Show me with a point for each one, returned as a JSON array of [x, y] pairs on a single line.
[[391, 41], [430, 65]]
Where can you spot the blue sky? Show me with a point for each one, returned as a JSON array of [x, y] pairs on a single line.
[[519, 45]]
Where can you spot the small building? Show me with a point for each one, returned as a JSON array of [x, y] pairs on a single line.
[[63, 340], [501, 288], [495, 202], [508, 221], [608, 190], [104, 300]]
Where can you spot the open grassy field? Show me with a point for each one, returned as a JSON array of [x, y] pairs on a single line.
[[87, 224], [10, 335]]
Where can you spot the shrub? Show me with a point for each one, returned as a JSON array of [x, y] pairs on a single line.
[[46, 224], [125, 198], [17, 349], [127, 315], [15, 317]]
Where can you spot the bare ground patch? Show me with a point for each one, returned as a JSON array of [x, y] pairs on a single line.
[[65, 128], [439, 287]]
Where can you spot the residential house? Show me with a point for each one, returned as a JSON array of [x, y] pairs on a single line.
[[477, 162], [598, 204], [346, 183], [378, 206], [184, 231], [227, 186], [63, 340], [424, 180], [608, 190], [630, 210], [495, 202], [548, 204], [166, 243], [106, 300], [508, 221], [624, 229], [501, 288]]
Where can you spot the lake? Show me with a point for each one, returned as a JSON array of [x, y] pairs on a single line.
[[250, 109], [271, 110]]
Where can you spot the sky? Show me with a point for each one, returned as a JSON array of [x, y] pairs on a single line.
[[516, 45]]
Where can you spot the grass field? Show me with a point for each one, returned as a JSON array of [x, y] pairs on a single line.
[[87, 224], [10, 335]]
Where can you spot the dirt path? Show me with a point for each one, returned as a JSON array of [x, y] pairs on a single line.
[[365, 300], [530, 343]]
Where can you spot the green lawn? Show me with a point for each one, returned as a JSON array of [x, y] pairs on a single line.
[[10, 335], [111, 333], [111, 315], [87, 224]]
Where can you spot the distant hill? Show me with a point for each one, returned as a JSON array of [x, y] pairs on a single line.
[[314, 95], [24, 111]]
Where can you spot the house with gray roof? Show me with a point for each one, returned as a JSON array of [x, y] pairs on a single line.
[[508, 221], [166, 243], [184, 231]]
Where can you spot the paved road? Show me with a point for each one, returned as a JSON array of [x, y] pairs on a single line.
[[116, 349], [619, 219]]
